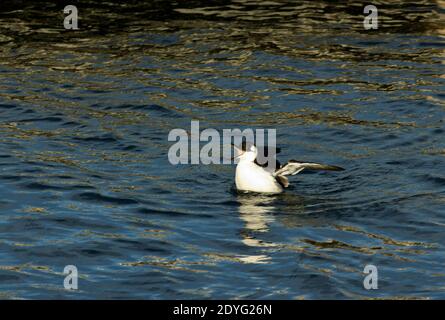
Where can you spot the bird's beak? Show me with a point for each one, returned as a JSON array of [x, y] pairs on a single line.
[[238, 151]]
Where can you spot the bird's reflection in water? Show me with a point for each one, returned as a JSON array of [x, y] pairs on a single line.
[[256, 211], [259, 212]]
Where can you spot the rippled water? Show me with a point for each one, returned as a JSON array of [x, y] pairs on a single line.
[[85, 179]]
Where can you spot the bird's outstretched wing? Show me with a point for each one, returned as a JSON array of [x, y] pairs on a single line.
[[293, 167]]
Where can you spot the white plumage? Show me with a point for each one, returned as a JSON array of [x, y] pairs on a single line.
[[250, 176]]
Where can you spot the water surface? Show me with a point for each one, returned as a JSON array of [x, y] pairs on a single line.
[[85, 179]]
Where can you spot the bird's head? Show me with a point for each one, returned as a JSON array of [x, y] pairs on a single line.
[[246, 151]]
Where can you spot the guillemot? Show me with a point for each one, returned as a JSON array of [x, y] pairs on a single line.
[[255, 177]]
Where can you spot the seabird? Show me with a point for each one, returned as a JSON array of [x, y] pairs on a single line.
[[255, 177]]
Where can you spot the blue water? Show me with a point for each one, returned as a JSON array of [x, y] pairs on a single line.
[[85, 178]]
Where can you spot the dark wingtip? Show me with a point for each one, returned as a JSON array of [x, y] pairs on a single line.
[[333, 168]]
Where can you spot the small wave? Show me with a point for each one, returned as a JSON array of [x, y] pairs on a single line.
[[102, 139], [435, 179], [98, 198], [46, 119], [171, 212]]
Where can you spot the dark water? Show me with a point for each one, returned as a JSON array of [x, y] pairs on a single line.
[[85, 179]]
